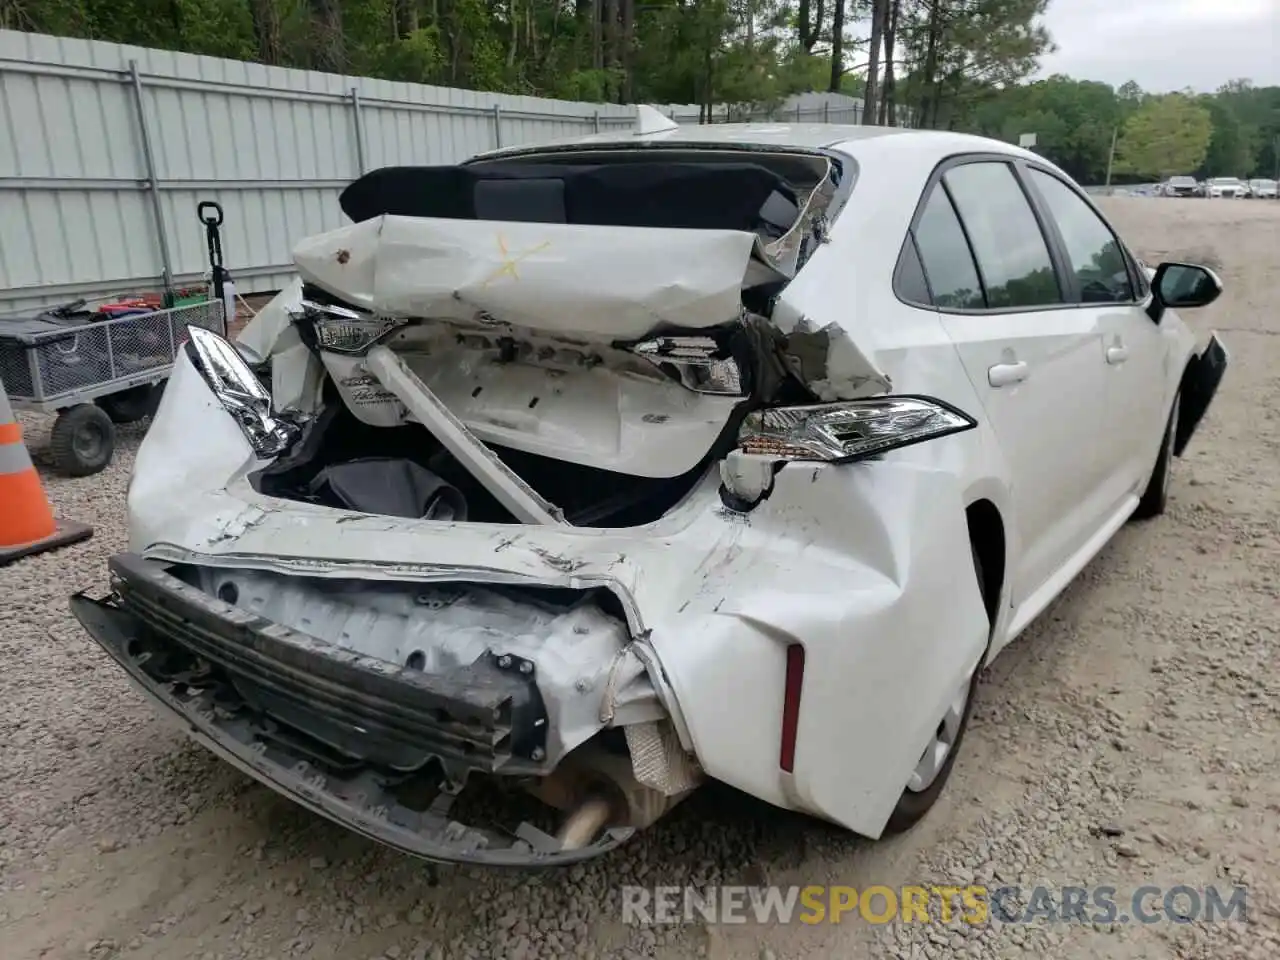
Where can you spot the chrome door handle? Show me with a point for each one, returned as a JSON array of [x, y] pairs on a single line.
[[1118, 354], [1004, 374]]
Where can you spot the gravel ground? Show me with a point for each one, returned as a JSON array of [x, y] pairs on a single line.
[[1130, 737]]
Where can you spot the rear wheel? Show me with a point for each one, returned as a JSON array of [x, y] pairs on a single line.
[[83, 440], [934, 768]]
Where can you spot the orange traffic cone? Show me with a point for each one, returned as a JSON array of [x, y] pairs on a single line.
[[27, 524]]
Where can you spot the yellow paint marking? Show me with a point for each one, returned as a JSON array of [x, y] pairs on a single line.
[[510, 262]]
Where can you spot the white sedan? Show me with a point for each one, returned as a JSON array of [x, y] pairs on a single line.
[[1262, 189], [603, 468], [1232, 187]]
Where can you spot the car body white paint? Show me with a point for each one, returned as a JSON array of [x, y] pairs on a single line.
[[1226, 187], [867, 565], [1262, 189]]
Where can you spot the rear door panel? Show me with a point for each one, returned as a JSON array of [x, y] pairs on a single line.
[[1134, 351], [1037, 368]]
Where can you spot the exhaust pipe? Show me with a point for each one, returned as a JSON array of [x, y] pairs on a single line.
[[582, 825]]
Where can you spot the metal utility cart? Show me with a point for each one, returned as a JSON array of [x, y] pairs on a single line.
[[95, 368]]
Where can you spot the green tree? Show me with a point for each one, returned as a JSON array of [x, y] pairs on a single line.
[[1073, 121], [960, 64], [963, 49], [1130, 94], [1258, 111], [1231, 149], [1167, 135]]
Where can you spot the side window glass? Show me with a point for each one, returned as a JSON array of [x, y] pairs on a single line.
[[1012, 253], [945, 255], [1139, 272], [909, 279], [1097, 258]]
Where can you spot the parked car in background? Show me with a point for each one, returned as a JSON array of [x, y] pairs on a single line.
[[1181, 187], [1262, 189], [783, 496], [1232, 187]]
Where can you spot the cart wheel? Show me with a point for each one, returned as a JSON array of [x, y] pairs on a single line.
[[83, 440], [129, 406]]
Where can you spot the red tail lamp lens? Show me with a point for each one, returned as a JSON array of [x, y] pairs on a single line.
[[791, 706]]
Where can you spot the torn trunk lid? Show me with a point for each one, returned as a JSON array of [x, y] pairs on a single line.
[[625, 348], [589, 282]]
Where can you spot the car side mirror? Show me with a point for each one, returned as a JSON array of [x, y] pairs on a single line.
[[1185, 285]]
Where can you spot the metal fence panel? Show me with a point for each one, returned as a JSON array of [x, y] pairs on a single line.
[[93, 201], [798, 108]]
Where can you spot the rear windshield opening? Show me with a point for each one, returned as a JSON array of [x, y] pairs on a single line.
[[762, 194]]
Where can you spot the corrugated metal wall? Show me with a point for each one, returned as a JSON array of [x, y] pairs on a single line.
[[79, 198]]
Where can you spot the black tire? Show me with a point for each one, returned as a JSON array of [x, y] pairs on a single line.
[[913, 805], [83, 440], [1156, 497], [130, 406], [157, 393]]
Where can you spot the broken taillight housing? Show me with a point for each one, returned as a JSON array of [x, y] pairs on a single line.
[[848, 430], [340, 329], [699, 363], [240, 392]]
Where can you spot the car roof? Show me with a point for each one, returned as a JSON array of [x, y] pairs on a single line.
[[806, 136]]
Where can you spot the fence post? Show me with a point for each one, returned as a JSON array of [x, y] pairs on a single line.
[[497, 126], [596, 121], [153, 186], [826, 111], [359, 122]]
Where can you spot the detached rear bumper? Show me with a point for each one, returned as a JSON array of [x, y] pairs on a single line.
[[253, 691]]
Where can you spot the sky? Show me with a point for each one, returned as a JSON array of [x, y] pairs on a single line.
[[1165, 44]]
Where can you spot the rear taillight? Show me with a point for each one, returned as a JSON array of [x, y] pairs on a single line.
[[849, 430], [792, 688], [228, 374]]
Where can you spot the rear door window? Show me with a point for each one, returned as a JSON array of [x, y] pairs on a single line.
[[1012, 254]]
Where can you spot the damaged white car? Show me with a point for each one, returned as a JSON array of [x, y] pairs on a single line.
[[595, 470]]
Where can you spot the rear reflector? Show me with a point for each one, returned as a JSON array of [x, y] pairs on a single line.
[[791, 706]]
